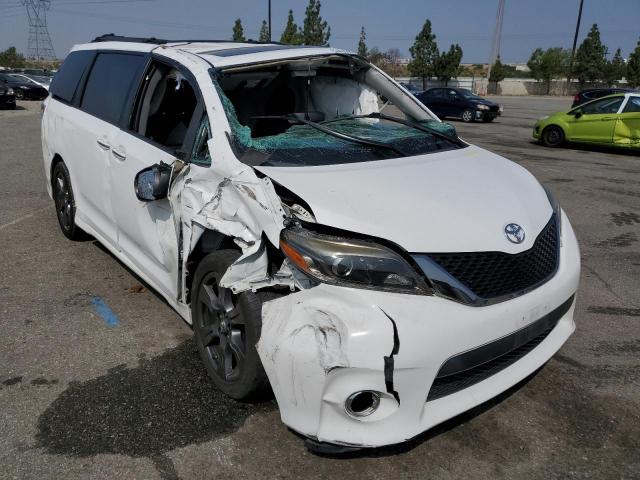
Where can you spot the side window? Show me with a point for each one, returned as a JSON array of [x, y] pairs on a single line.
[[66, 81], [606, 105], [109, 84], [633, 105], [165, 107], [200, 153]]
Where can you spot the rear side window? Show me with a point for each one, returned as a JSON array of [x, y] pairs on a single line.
[[66, 81], [109, 84], [633, 105]]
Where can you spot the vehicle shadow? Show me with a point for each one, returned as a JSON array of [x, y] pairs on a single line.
[[623, 152], [145, 410], [436, 431]]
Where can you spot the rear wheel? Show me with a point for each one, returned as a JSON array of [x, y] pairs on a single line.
[[65, 202], [552, 136], [467, 115], [227, 328]]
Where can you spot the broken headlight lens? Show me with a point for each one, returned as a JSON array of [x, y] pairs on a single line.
[[350, 262]]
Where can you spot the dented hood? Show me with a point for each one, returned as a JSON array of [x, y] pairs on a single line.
[[454, 201]]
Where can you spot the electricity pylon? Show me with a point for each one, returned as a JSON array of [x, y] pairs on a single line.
[[39, 47]]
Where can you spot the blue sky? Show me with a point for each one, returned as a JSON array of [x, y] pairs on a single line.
[[389, 24]]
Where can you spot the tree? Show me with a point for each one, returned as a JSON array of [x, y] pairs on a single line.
[[590, 58], [424, 53], [315, 31], [633, 67], [238, 31], [291, 34], [264, 33], [545, 65], [447, 64], [615, 69], [498, 71], [11, 58], [362, 46]]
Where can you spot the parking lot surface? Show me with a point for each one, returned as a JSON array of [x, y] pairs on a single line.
[[99, 378]]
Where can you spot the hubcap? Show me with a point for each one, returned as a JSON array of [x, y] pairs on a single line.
[[222, 329], [64, 203]]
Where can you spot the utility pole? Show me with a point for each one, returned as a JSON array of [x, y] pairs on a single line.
[[575, 42], [269, 20], [497, 37]]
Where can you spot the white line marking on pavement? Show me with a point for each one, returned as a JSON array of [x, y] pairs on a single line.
[[24, 217]]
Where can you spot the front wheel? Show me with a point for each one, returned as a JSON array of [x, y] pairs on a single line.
[[467, 115], [552, 136], [19, 94], [227, 328]]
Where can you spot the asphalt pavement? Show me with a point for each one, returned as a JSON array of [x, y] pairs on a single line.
[[99, 378]]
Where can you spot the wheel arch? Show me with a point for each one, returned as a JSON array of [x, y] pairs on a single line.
[[210, 241]]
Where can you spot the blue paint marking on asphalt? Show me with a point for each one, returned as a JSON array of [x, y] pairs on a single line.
[[102, 309]]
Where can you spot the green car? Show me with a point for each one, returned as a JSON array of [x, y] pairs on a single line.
[[613, 120]]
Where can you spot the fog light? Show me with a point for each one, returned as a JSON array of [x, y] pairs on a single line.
[[362, 404]]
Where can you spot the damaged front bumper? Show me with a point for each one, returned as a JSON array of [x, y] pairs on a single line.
[[321, 345]]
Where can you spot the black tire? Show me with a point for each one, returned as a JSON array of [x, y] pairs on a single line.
[[65, 202], [552, 136], [226, 329], [19, 94], [467, 115]]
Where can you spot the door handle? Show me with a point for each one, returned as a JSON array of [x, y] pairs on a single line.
[[103, 144], [118, 155]]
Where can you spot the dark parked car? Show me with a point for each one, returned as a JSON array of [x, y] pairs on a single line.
[[24, 89], [460, 103], [7, 97], [593, 93]]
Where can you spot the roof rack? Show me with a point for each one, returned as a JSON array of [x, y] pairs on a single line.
[[110, 37]]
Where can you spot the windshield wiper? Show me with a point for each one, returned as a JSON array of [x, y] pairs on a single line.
[[343, 136], [417, 126]]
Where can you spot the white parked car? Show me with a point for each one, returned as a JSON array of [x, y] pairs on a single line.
[[321, 230]]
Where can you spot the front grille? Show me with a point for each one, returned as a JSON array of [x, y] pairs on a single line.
[[474, 366], [495, 274]]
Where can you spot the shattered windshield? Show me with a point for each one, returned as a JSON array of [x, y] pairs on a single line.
[[325, 111]]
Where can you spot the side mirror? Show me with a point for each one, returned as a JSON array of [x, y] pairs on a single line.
[[152, 183], [577, 114]]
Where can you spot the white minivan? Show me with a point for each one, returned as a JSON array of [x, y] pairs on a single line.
[[321, 230]]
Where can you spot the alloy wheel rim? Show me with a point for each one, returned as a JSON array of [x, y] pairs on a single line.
[[64, 204], [222, 329], [553, 136], [466, 115]]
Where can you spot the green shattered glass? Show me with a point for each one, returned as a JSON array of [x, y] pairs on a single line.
[[298, 138]]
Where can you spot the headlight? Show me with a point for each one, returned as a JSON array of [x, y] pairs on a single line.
[[10, 91], [482, 107], [350, 262]]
